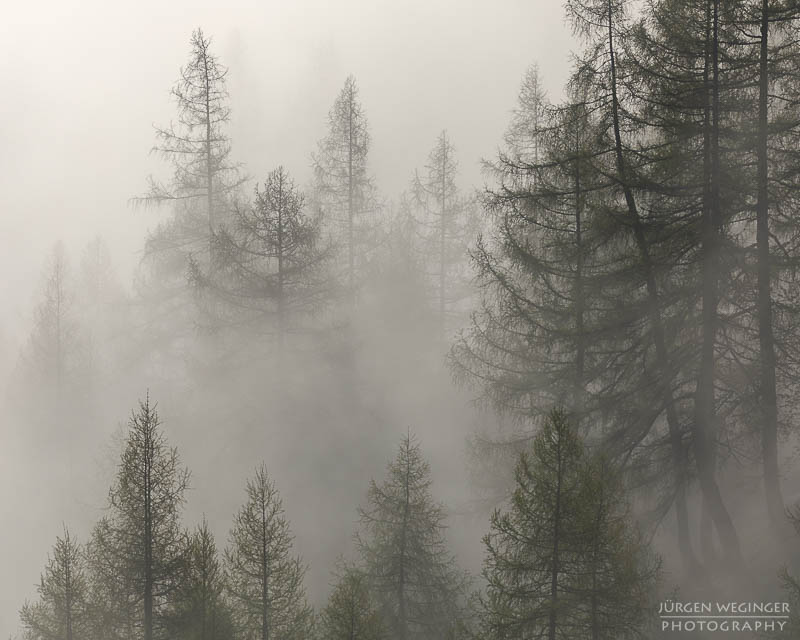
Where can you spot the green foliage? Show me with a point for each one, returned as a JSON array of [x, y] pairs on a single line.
[[564, 560], [404, 551], [137, 553], [351, 612], [63, 609], [199, 608], [265, 581]]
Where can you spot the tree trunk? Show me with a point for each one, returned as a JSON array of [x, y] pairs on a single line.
[[442, 241], [68, 595], [769, 400], [264, 575], [148, 529], [704, 428], [401, 591], [209, 169], [556, 567], [580, 355], [679, 460], [280, 250], [350, 201]]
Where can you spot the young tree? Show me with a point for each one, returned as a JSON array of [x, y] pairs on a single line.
[[563, 560], [204, 178], [344, 187], [137, 553], [63, 609], [351, 613], [270, 265], [199, 610], [265, 581], [404, 552]]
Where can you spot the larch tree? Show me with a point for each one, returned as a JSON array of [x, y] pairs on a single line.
[[63, 610], [53, 356], [445, 221], [692, 72], [401, 541], [265, 581], [531, 548], [774, 136], [563, 560], [270, 262], [523, 135], [137, 553], [344, 188], [198, 148], [528, 344], [633, 266], [199, 608], [351, 612]]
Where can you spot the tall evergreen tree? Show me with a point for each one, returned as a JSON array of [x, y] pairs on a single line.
[[204, 178], [405, 554], [563, 560], [265, 580], [345, 189], [528, 344], [137, 553], [445, 223]]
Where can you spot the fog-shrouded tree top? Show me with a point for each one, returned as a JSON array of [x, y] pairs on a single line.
[[198, 148], [345, 190], [523, 135], [265, 580], [63, 610], [445, 225], [270, 261], [54, 363], [405, 554], [137, 553]]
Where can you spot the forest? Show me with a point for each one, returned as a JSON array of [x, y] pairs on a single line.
[[552, 406]]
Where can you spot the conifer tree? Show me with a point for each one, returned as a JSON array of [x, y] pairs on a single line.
[[63, 611], [351, 612], [137, 553], [204, 178], [270, 266], [405, 555], [265, 581], [199, 608], [344, 188], [445, 225], [55, 356], [563, 560]]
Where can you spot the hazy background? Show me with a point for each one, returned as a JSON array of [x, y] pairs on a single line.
[[82, 84]]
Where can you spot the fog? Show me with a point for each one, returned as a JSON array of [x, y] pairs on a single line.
[[488, 260], [83, 85]]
